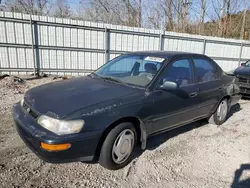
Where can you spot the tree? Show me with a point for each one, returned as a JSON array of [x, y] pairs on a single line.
[[37, 7], [224, 18], [203, 12], [62, 9], [43, 7], [222, 13], [168, 13], [140, 14], [123, 12], [185, 14], [244, 20], [100, 11], [224, 9]]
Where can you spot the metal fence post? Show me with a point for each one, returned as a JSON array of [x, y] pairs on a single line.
[[241, 48], [204, 46], [36, 37], [6, 39], [161, 41], [33, 45], [107, 45]]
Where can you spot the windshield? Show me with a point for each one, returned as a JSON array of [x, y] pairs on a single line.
[[247, 63], [137, 70]]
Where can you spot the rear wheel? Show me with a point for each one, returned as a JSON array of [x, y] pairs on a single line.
[[118, 146], [221, 114]]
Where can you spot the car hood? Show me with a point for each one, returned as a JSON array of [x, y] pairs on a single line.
[[63, 97], [242, 71]]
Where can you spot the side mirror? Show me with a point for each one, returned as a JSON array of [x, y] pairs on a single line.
[[243, 64], [169, 86]]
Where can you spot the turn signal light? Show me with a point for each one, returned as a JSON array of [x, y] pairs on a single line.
[[55, 147]]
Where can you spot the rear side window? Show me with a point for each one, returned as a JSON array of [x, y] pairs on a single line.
[[204, 70]]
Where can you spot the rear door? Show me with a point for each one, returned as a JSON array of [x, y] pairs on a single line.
[[209, 83]]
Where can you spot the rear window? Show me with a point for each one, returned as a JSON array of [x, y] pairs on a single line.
[[204, 70]]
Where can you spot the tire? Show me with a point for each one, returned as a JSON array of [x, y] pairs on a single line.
[[108, 158], [218, 119]]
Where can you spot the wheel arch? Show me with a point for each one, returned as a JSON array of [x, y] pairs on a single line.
[[140, 130], [228, 97]]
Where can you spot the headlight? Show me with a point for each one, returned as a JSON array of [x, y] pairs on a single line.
[[60, 127]]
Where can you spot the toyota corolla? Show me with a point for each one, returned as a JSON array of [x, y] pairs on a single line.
[[103, 116]]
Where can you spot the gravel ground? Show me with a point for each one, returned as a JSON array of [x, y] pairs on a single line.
[[196, 155]]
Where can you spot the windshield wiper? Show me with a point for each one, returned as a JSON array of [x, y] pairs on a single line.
[[110, 78], [93, 74], [113, 79]]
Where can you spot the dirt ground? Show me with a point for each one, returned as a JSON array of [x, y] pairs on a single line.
[[197, 155]]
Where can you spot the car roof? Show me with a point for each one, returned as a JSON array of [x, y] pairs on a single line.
[[168, 54]]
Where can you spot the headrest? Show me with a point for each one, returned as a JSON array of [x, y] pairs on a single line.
[[150, 67]]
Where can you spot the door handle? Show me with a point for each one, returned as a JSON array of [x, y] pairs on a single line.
[[193, 94]]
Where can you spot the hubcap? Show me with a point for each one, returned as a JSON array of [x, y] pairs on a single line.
[[123, 146], [222, 110]]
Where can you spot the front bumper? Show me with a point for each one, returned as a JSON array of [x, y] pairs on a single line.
[[83, 145], [244, 88]]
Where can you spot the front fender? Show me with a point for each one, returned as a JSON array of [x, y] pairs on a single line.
[[141, 111], [143, 138]]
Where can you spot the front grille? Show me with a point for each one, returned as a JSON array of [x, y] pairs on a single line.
[[28, 109], [245, 90], [243, 80]]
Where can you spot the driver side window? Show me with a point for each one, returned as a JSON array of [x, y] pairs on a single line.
[[179, 71]]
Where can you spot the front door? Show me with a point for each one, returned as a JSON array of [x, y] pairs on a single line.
[[172, 108]]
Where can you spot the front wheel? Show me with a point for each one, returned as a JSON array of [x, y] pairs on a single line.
[[118, 146], [221, 114]]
